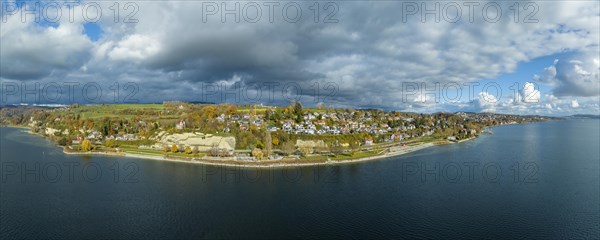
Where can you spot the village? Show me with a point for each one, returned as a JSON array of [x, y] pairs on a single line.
[[248, 132]]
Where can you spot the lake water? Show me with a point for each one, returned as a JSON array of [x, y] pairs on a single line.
[[538, 180]]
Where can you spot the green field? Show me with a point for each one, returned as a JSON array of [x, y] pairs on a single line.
[[355, 155], [113, 110], [342, 156]]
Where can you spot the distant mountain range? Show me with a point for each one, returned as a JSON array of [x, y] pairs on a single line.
[[586, 116]]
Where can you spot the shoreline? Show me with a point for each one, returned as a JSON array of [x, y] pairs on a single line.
[[391, 152], [258, 164], [272, 163]]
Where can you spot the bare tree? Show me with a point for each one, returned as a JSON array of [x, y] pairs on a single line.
[[214, 150]]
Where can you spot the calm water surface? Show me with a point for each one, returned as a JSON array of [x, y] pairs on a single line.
[[535, 180]]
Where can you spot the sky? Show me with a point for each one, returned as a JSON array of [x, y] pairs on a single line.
[[539, 57]]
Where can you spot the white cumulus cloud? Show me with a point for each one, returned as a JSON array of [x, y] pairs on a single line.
[[530, 94], [574, 103], [135, 47]]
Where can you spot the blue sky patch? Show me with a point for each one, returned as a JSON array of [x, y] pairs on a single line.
[[93, 31]]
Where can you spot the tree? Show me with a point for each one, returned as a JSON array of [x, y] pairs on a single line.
[[288, 147], [335, 147], [306, 150], [353, 145], [257, 153], [268, 143], [214, 150], [298, 112], [86, 145], [195, 150], [275, 141], [209, 111], [63, 141], [260, 144], [111, 143], [298, 108], [188, 150], [174, 148], [231, 110]]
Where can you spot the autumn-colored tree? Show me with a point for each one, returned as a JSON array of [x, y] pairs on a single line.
[[231, 110], [174, 148], [209, 111], [188, 150], [306, 150], [258, 153], [111, 143], [86, 145], [275, 141], [260, 144]]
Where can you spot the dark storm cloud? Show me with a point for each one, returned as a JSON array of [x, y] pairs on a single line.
[[368, 53]]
